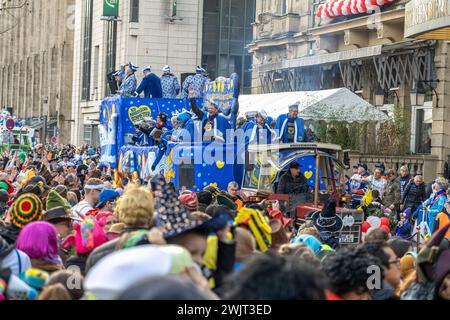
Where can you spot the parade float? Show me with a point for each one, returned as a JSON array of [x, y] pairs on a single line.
[[257, 168], [180, 163]]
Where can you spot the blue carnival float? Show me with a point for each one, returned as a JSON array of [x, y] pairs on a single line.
[[195, 165], [191, 164]]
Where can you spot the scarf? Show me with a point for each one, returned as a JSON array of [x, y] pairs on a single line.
[[440, 193]]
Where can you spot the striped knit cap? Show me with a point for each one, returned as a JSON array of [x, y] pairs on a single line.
[[27, 208]]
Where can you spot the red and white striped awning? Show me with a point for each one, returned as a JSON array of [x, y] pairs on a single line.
[[336, 8]]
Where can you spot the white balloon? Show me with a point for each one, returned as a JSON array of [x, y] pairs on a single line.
[[375, 222]]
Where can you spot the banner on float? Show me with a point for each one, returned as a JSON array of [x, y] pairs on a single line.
[[135, 110], [140, 159], [108, 130], [118, 117], [224, 92]]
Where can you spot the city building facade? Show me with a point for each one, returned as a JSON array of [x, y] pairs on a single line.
[[36, 56], [182, 34], [147, 33], [227, 31], [296, 50]]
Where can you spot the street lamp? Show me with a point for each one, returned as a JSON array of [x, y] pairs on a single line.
[[379, 97], [418, 95]]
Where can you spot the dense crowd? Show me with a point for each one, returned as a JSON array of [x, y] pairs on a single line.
[[70, 230]]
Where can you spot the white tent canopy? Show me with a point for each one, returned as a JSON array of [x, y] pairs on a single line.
[[325, 105]]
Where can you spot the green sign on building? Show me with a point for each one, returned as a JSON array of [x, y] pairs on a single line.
[[174, 8], [110, 8]]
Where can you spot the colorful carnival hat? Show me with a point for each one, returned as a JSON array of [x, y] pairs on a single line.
[[200, 70], [255, 221], [7, 186], [27, 208], [89, 234], [327, 220], [190, 200], [173, 216], [132, 66]]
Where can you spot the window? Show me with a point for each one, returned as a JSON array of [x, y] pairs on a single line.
[[87, 133], [227, 30], [134, 11], [91, 135], [87, 47], [111, 36], [421, 128], [284, 7], [95, 74]]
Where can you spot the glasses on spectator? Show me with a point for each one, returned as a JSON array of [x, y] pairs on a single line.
[[396, 261]]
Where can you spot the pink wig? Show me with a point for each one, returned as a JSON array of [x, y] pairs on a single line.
[[89, 234], [39, 241]]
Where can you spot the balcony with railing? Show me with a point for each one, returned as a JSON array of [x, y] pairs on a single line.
[[271, 26], [425, 165]]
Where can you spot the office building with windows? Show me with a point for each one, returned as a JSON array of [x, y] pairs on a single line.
[[148, 33], [36, 58], [227, 31], [183, 34]]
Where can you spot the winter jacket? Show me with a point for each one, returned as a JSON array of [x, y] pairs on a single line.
[[10, 233], [77, 261], [17, 261], [391, 194], [413, 196], [386, 293], [375, 184], [442, 219], [289, 184], [404, 231], [151, 85], [403, 181]]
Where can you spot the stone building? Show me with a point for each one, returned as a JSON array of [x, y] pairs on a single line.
[[36, 55], [369, 53]]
